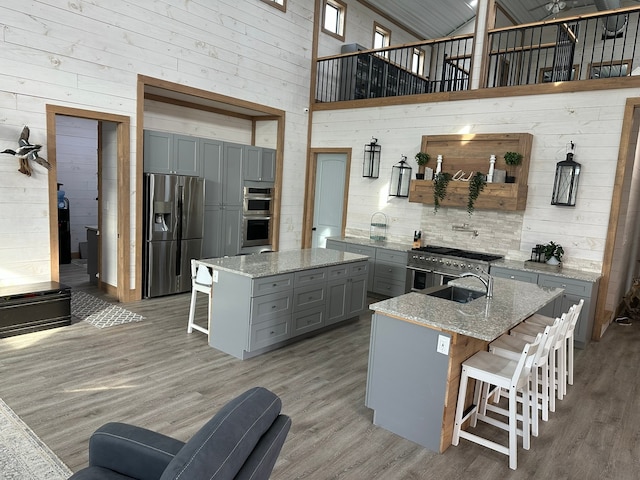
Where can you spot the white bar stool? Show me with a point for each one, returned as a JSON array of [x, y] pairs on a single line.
[[510, 375], [511, 347], [201, 281], [569, 336]]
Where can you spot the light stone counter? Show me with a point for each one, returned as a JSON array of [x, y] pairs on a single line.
[[548, 269], [483, 318], [399, 246], [275, 263]]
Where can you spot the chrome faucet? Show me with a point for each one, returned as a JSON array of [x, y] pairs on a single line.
[[488, 283]]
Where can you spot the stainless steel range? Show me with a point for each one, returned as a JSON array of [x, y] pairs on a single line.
[[434, 265]]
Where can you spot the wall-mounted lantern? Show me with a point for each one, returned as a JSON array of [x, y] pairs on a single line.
[[565, 186], [400, 178], [371, 164]]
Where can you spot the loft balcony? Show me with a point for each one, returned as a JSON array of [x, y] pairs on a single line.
[[585, 48]]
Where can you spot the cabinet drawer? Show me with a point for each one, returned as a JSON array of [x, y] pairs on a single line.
[[361, 268], [391, 256], [337, 272], [270, 306], [361, 249], [309, 277], [520, 275], [307, 320], [309, 296], [391, 271], [385, 286], [571, 287], [276, 283], [268, 333]]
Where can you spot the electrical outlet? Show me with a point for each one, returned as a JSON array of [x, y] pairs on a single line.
[[215, 276], [443, 345]]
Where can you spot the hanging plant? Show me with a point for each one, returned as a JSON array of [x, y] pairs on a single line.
[[440, 182], [476, 185]]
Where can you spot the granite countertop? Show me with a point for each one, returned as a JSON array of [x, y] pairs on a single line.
[[548, 270], [399, 246], [276, 263], [483, 318]]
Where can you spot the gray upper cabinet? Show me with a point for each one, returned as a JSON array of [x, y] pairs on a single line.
[[212, 167], [260, 164], [171, 154], [232, 174]]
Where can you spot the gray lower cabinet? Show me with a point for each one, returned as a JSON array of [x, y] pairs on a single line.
[[574, 291], [387, 273], [252, 316], [390, 272]]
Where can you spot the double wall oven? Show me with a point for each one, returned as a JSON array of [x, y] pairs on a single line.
[[433, 265], [257, 209]]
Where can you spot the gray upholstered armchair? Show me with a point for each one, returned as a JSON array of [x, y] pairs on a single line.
[[242, 441]]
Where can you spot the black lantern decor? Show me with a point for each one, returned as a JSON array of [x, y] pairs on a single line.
[[565, 186], [371, 164], [400, 178]]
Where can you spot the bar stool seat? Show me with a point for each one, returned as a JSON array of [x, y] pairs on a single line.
[[201, 281], [510, 375]]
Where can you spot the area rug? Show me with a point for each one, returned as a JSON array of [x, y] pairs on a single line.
[[23, 456], [99, 313]]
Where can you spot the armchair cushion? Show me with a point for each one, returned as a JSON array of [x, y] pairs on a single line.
[[220, 448]]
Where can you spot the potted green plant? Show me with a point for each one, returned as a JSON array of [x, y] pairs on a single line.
[[553, 253], [512, 159], [440, 182], [476, 185], [422, 158]]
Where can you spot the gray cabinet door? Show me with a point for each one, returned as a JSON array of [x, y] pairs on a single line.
[[337, 301], [212, 236], [212, 171], [357, 292], [232, 174], [268, 165], [186, 155], [158, 152], [231, 219]]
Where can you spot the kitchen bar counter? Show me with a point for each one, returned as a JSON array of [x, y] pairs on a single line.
[[267, 300], [417, 347], [275, 263], [484, 319]]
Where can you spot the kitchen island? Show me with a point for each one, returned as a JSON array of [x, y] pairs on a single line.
[[418, 343], [264, 301]]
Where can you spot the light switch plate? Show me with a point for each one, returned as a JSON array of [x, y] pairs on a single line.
[[215, 276], [443, 345]]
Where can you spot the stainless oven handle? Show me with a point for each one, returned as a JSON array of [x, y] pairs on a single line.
[[418, 269]]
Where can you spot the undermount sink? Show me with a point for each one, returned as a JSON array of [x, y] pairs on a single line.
[[455, 293]]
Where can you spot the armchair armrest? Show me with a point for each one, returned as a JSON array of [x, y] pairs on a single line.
[[132, 451]]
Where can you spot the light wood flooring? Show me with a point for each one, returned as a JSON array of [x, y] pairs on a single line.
[[66, 382]]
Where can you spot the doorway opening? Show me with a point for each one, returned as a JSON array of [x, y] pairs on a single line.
[[112, 206]]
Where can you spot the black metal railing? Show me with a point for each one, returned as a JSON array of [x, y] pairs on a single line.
[[422, 67], [587, 47], [581, 48]]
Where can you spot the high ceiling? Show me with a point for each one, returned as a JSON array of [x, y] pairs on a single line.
[[440, 18]]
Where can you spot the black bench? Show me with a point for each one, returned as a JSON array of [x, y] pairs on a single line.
[[33, 307]]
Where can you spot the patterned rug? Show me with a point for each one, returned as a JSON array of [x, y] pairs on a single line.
[[99, 313], [23, 456]]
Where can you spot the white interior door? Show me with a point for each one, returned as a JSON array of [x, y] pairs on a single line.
[[331, 170]]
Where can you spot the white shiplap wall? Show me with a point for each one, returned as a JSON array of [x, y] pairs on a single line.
[[87, 55], [591, 120]]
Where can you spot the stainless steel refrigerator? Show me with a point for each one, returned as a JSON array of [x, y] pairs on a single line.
[[173, 229]]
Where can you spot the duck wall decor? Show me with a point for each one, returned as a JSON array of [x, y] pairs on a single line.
[[26, 152]]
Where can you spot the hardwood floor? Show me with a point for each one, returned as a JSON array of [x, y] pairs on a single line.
[[66, 382]]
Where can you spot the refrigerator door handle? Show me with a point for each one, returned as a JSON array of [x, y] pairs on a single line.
[[180, 202]]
